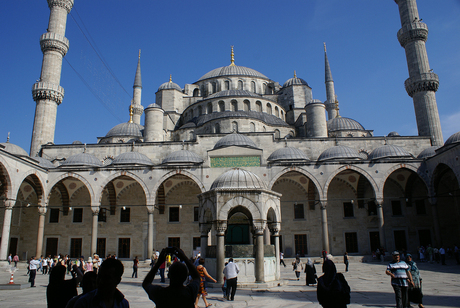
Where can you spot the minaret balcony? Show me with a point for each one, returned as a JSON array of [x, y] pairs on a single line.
[[55, 42], [46, 90], [421, 83], [416, 31], [65, 4]]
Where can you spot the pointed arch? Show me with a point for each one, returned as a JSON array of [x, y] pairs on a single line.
[[300, 170], [118, 174], [222, 213], [374, 185], [153, 195], [69, 175], [272, 206], [36, 181], [401, 166]]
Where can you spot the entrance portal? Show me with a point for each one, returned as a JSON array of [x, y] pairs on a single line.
[[238, 230]]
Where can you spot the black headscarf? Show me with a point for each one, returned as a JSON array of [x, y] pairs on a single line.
[[329, 271]]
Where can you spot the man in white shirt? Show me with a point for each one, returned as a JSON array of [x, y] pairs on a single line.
[[231, 272], [33, 265]]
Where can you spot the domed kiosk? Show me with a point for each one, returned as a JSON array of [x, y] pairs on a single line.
[[237, 204]]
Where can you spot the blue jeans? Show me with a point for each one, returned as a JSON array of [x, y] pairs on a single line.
[[402, 296], [162, 274]]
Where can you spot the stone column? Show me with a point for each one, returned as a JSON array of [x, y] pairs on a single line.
[[259, 228], [95, 210], [221, 227], [325, 235], [6, 229], [267, 236], [41, 230], [379, 202], [434, 213], [275, 229], [150, 210], [204, 230]]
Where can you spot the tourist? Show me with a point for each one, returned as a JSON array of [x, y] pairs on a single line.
[[10, 259], [106, 294], [88, 284], [345, 261], [415, 291], [203, 275], [89, 265], [231, 271], [310, 272], [297, 267], [282, 259], [95, 263], [135, 265], [44, 266], [442, 253], [59, 291], [333, 290], [176, 294], [400, 280], [16, 260], [33, 265]]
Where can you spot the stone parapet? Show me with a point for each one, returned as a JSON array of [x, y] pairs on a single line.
[[416, 31], [422, 82], [54, 42], [66, 4], [138, 110], [47, 90]]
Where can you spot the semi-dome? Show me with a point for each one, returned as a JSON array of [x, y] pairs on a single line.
[[182, 157], [389, 151], [238, 179], [288, 154], [170, 85], [428, 152], [455, 138], [295, 81], [232, 70], [42, 162], [341, 123], [14, 149], [77, 142], [235, 139], [132, 158], [126, 129], [393, 134], [82, 159], [339, 152], [229, 93]]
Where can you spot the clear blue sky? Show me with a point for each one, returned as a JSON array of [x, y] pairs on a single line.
[[189, 38]]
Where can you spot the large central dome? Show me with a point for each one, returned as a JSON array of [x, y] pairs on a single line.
[[232, 70]]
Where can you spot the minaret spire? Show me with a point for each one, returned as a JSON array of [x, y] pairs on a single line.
[[136, 108], [47, 92], [332, 105], [422, 83]]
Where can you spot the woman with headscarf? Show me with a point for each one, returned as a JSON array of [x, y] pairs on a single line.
[[297, 267], [333, 290], [310, 271], [415, 291]]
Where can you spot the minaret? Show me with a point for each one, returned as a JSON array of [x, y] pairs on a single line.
[[137, 93], [46, 92], [422, 82], [332, 106]]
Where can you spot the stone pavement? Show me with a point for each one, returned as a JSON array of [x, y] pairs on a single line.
[[369, 284]]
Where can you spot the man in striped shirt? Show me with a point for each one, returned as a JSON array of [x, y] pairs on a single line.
[[400, 280]]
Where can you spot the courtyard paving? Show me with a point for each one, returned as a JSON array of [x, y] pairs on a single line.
[[369, 284]]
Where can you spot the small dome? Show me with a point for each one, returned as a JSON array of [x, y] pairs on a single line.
[[428, 152], [126, 129], [314, 101], [455, 138], [14, 149], [235, 139], [389, 151], [238, 179], [363, 155], [393, 134], [340, 123], [77, 142], [295, 81], [132, 158], [288, 154], [339, 152], [170, 85], [228, 93], [232, 70], [42, 162], [182, 157], [154, 105], [82, 159]]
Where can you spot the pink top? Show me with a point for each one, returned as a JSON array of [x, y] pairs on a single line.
[[89, 266]]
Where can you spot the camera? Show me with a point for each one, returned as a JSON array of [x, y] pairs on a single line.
[[171, 250]]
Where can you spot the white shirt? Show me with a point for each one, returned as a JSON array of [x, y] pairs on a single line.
[[33, 264], [231, 270], [45, 262]]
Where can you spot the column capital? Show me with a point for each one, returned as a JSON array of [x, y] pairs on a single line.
[[259, 226], [42, 210], [275, 228], [221, 227], [95, 209], [205, 228], [9, 204], [150, 209]]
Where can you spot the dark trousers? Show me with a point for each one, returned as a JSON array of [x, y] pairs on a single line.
[[162, 274], [443, 259], [282, 262], [402, 296], [134, 275], [45, 270], [346, 266], [32, 274], [231, 288]]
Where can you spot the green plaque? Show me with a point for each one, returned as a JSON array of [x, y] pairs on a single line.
[[235, 161]]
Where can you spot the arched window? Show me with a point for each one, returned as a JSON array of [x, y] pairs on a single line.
[[253, 86], [227, 85], [234, 105], [209, 108], [203, 90], [277, 112], [217, 128], [247, 105], [240, 85], [214, 87], [221, 106], [277, 134], [196, 92], [269, 109], [200, 110], [235, 126], [282, 115], [252, 127], [258, 106], [264, 88], [192, 136]]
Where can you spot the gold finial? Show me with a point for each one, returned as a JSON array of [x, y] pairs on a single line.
[[8, 138], [295, 74], [232, 58], [170, 78], [131, 113], [324, 46], [139, 53]]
